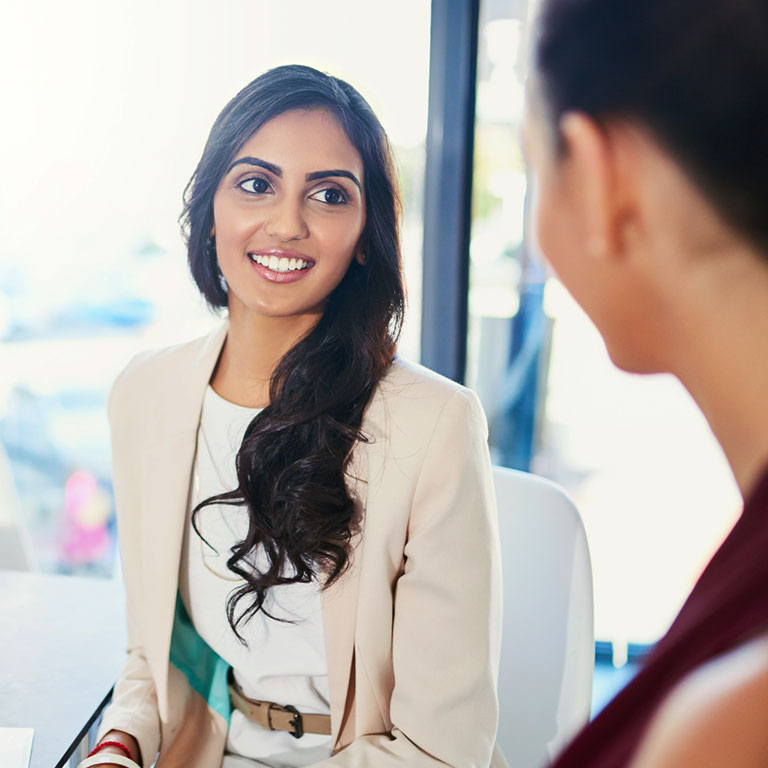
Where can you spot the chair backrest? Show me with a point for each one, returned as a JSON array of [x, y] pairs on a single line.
[[548, 651]]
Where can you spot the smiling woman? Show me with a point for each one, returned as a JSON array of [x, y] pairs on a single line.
[[262, 205], [307, 522]]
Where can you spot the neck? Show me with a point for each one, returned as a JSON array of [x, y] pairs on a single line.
[[254, 346], [721, 360]]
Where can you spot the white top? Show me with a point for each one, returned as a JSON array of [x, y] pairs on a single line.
[[284, 662]]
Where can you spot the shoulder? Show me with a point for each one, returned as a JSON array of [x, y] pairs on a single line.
[[716, 716], [409, 393], [151, 373], [415, 410]]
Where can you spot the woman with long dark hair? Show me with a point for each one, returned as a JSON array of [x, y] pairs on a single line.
[[307, 522], [646, 136]]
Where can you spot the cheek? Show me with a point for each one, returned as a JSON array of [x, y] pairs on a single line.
[[233, 224], [337, 239], [548, 222], [560, 242]]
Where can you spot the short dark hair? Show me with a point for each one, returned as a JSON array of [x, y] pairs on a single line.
[[693, 72]]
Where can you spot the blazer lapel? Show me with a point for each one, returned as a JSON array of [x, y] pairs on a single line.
[[340, 611], [340, 600], [166, 470]]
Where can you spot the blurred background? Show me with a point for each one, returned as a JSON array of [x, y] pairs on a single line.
[[107, 106]]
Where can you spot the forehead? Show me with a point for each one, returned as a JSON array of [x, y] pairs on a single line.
[[304, 140]]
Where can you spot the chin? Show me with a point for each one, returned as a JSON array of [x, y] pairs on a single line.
[[271, 306], [631, 361]]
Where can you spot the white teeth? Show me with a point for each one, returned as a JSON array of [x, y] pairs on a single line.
[[279, 263]]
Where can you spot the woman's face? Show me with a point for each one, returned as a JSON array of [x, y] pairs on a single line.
[[288, 215], [576, 215]]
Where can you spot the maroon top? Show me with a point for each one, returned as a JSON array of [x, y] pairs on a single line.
[[728, 606]]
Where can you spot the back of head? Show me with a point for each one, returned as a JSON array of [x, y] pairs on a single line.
[[693, 72]]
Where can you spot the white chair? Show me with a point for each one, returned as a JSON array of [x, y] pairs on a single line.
[[548, 651]]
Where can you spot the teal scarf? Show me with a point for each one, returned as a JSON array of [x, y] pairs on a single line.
[[203, 667]]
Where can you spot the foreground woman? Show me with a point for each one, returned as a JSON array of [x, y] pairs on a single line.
[[646, 138], [307, 522]]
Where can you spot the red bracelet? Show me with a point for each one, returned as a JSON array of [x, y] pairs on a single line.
[[111, 744]]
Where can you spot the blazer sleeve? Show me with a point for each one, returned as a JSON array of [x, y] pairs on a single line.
[[133, 708], [447, 615]]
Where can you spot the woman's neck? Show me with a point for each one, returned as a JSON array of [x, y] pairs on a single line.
[[254, 346], [722, 361]]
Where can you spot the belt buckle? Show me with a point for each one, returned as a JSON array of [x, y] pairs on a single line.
[[297, 723]]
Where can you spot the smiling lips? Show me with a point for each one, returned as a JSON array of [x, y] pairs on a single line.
[[279, 266]]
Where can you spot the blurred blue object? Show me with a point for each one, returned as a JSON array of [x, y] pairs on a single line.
[[123, 313], [92, 301], [516, 428]]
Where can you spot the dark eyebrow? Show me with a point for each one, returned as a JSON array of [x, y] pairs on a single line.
[[271, 167], [327, 174]]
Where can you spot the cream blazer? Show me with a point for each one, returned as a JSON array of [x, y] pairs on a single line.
[[412, 629]]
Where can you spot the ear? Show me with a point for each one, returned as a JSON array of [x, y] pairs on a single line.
[[591, 178], [360, 256]]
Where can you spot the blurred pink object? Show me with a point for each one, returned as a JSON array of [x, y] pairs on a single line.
[[86, 511]]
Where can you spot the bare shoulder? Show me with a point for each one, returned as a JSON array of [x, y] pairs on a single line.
[[715, 717]]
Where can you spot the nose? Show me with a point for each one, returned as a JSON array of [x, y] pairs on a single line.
[[286, 220]]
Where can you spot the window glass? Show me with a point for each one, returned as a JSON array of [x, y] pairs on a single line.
[[651, 483], [107, 108]]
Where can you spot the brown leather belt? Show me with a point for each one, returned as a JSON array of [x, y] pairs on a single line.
[[275, 717]]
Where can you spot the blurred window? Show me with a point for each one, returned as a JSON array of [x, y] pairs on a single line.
[[652, 485]]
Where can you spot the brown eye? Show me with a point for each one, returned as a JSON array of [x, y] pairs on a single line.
[[330, 196], [255, 185]]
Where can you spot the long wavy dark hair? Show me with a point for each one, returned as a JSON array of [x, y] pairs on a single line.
[[293, 459]]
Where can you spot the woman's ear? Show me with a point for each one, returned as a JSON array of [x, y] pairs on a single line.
[[360, 256], [591, 179]]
